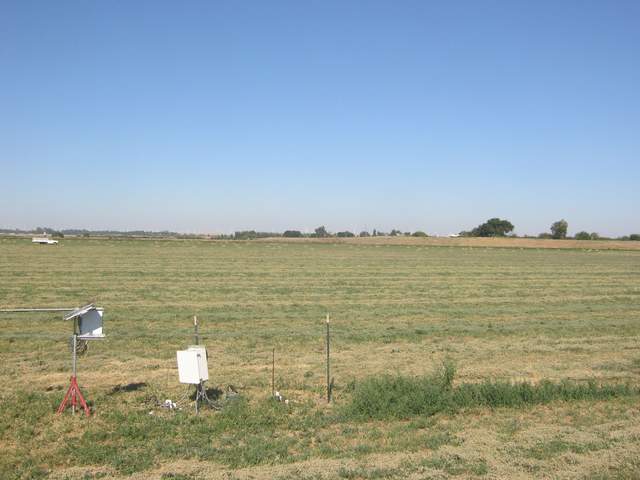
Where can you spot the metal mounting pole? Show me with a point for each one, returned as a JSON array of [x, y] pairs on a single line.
[[73, 366], [201, 393], [29, 310]]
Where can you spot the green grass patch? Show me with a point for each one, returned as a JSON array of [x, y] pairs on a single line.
[[545, 450], [401, 397]]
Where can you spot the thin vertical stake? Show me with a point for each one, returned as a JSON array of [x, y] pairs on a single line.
[[328, 364], [273, 373], [195, 329]]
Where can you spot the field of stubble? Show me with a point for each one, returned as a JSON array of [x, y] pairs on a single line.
[[516, 314]]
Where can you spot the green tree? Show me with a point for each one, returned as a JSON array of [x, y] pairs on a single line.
[[582, 236], [364, 233], [419, 234], [559, 229], [494, 227], [345, 234], [292, 234], [634, 237], [321, 232]]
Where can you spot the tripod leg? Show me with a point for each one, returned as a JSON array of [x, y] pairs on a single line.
[[201, 394], [72, 396], [83, 402], [66, 399]]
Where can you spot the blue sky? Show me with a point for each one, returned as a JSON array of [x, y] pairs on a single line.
[[216, 116]]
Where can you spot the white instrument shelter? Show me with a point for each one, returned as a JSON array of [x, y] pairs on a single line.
[[192, 365], [89, 321]]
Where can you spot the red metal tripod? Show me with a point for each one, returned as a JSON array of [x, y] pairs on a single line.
[[73, 393]]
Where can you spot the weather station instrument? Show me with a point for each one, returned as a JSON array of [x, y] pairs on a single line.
[[193, 368], [87, 324]]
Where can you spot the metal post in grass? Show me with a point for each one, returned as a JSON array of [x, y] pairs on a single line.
[[273, 373], [328, 363], [201, 392]]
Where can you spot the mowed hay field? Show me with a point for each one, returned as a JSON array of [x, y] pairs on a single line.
[[508, 314]]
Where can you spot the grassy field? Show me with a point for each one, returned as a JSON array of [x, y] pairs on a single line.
[[399, 310]]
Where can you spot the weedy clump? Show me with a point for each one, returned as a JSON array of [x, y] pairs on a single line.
[[400, 397]]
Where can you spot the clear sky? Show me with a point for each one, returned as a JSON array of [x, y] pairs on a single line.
[[216, 116]]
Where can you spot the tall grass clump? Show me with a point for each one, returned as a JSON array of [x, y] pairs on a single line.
[[397, 396], [400, 397]]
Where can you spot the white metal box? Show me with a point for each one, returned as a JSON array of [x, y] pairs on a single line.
[[90, 325], [192, 365]]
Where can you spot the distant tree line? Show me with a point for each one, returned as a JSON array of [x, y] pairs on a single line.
[[319, 232], [559, 232], [494, 227], [97, 233], [322, 232], [252, 235]]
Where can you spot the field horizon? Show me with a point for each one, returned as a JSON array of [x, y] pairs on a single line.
[[482, 242], [399, 308]]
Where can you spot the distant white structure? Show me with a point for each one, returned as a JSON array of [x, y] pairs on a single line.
[[44, 241], [454, 235]]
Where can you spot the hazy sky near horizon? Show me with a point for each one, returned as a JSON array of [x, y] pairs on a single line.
[[214, 116]]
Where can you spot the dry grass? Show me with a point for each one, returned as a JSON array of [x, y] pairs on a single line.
[[471, 242], [503, 313]]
